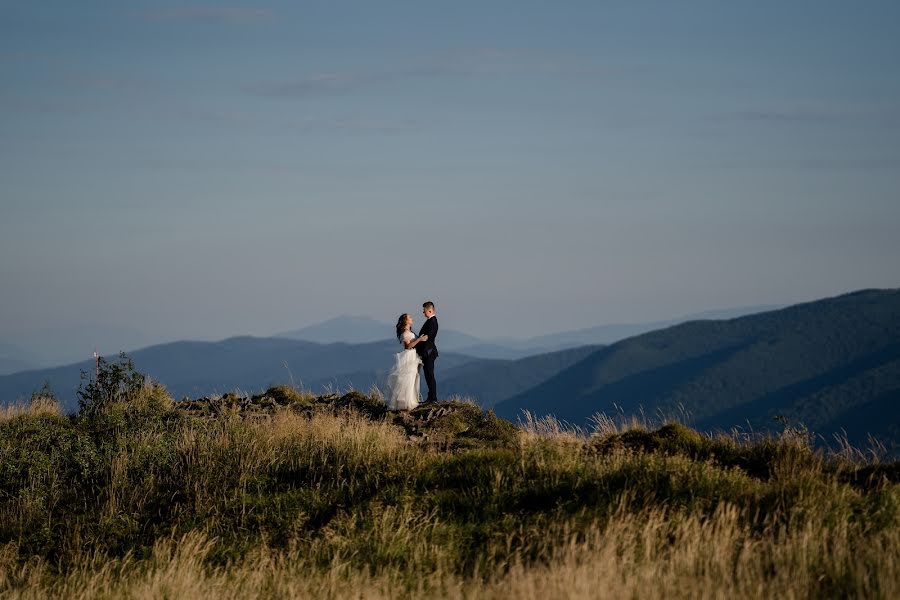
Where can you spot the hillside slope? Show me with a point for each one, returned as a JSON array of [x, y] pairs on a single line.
[[830, 364], [491, 381]]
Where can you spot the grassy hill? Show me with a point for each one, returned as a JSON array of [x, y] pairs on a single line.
[[833, 364], [284, 495]]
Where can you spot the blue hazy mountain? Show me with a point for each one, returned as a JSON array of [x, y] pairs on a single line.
[[609, 334], [832, 364], [46, 347], [361, 330], [248, 364], [14, 358], [489, 381], [347, 329]]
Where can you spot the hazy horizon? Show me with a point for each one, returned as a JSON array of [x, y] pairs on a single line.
[[206, 170], [110, 340]]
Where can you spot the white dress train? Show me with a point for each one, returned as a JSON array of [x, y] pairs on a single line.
[[403, 379]]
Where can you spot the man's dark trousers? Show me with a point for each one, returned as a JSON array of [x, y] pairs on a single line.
[[428, 367]]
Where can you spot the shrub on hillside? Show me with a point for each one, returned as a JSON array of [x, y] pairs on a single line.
[[112, 382], [763, 459], [284, 395]]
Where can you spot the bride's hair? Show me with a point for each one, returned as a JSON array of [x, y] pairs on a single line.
[[401, 324]]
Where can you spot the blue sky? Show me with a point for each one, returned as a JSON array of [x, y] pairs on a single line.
[[198, 170]]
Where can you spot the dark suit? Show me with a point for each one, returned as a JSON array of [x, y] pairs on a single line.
[[428, 352]]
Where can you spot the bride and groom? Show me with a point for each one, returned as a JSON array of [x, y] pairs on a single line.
[[419, 351]]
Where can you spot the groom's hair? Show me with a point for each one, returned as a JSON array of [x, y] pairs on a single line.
[[428, 305]]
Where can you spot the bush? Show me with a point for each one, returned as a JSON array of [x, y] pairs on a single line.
[[764, 458], [288, 396], [113, 382]]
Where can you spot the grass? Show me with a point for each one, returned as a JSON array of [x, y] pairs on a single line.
[[284, 494]]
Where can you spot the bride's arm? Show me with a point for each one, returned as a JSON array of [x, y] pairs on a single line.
[[412, 343]]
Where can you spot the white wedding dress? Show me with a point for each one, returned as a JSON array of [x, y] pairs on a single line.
[[403, 380]]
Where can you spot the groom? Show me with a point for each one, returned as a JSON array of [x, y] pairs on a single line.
[[427, 350]]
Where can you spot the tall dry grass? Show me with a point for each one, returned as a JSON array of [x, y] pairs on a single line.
[[37, 406], [655, 554], [142, 502]]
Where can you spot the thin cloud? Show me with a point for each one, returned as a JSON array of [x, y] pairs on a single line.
[[794, 114], [12, 104], [109, 82], [502, 61], [14, 57], [240, 120], [255, 121], [355, 124], [316, 84], [809, 164], [212, 15], [814, 114], [480, 62]]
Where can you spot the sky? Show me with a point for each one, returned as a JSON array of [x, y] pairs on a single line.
[[200, 170]]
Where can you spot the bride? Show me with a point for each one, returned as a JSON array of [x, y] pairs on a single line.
[[403, 380]]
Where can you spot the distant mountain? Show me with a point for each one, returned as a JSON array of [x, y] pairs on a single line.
[[361, 330], [14, 358], [63, 345], [250, 364], [832, 364], [244, 363], [358, 330], [347, 329], [13, 365], [609, 334], [495, 350], [491, 381], [600, 335]]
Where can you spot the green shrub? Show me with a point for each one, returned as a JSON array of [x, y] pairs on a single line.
[[112, 382], [288, 396]]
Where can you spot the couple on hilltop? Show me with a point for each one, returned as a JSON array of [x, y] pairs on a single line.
[[419, 351]]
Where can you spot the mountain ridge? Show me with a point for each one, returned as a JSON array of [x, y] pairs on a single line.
[[837, 353], [196, 368]]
